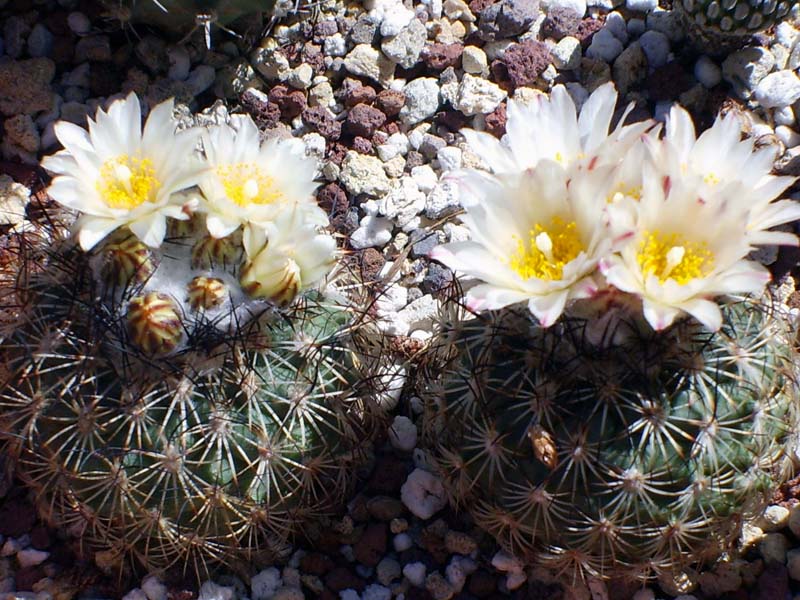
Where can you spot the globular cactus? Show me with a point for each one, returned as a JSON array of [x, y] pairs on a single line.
[[168, 418], [602, 450], [719, 26]]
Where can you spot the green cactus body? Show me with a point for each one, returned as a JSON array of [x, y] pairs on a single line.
[[233, 430], [636, 456], [721, 25]]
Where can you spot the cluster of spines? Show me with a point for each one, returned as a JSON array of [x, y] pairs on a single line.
[[643, 458]]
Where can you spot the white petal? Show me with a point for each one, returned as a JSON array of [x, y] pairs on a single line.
[[548, 308], [658, 315], [92, 230], [488, 297], [595, 118], [219, 226], [150, 229], [491, 151], [705, 311]]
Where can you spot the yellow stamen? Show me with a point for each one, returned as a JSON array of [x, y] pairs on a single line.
[[711, 179], [674, 257], [246, 183], [127, 182], [622, 190], [548, 250]]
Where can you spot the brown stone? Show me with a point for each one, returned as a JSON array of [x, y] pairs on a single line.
[[369, 550]]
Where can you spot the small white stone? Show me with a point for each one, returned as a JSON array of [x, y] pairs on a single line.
[[775, 517], [449, 158], [335, 45], [396, 17], [655, 46], [349, 594], [405, 47], [579, 6], [473, 60], [515, 580], [376, 591], [422, 100], [567, 54], [403, 434], [778, 89], [372, 232], [301, 76], [442, 199], [402, 542], [423, 494], [458, 570], [363, 174], [707, 72], [415, 573], [153, 588], [644, 594], [773, 547], [213, 591], [644, 6], [784, 116], [366, 61], [604, 46], [478, 96], [31, 557], [786, 34], [135, 594], [420, 313], [668, 22], [388, 570], [264, 585], [425, 177]]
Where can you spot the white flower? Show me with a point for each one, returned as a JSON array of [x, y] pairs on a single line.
[[251, 182], [285, 256], [116, 174], [686, 251], [549, 128], [718, 158], [536, 236]]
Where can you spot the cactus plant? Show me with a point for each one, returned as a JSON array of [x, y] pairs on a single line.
[[165, 415], [721, 25], [599, 449]]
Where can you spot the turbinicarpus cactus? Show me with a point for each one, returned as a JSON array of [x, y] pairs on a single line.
[[603, 405], [188, 400], [636, 457]]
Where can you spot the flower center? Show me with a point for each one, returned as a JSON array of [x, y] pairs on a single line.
[[711, 179], [246, 183], [127, 182], [547, 250], [674, 257]]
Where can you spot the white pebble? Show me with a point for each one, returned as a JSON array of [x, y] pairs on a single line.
[[478, 96], [655, 46], [579, 6], [604, 46], [615, 23], [473, 60], [372, 232], [402, 542], [415, 573], [790, 139], [153, 588], [376, 591], [135, 594], [425, 177], [784, 116], [775, 517], [79, 23], [422, 100], [458, 570], [264, 585], [349, 594], [567, 53], [644, 6], [213, 591], [31, 557], [335, 45], [403, 434], [423, 494], [778, 89], [449, 158]]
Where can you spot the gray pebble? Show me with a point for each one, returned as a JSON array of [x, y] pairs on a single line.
[[40, 41]]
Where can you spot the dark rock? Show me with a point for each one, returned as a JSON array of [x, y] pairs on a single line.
[[40, 538], [438, 278], [496, 121], [385, 508], [440, 56], [16, 518], [369, 550], [560, 22], [266, 114], [430, 145], [372, 262], [388, 476], [478, 6], [316, 563], [359, 94], [324, 29], [586, 30], [390, 102], [26, 577], [291, 102], [422, 242], [104, 79], [365, 31], [362, 145], [507, 18], [312, 55], [363, 120], [482, 584], [526, 61], [668, 82], [773, 583], [342, 578], [321, 120], [414, 159]]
